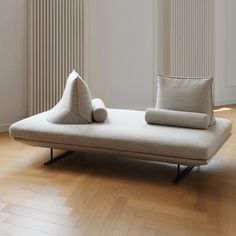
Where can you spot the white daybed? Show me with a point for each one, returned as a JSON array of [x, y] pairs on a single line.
[[125, 132]]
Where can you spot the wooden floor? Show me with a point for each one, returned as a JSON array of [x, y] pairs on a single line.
[[110, 196]]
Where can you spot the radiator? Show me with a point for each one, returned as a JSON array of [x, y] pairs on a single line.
[[187, 46], [55, 48]]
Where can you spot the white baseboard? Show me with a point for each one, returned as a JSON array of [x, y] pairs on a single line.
[[4, 127], [225, 102]]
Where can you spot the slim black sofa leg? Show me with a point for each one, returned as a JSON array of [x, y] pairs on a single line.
[[181, 174], [178, 169], [58, 158]]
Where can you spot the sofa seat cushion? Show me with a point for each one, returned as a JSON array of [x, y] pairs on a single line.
[[126, 130]]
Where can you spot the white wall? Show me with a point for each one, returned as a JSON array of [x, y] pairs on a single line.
[[13, 61], [225, 51], [122, 53]]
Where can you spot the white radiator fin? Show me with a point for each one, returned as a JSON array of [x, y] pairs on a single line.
[[191, 38], [55, 49], [187, 43]]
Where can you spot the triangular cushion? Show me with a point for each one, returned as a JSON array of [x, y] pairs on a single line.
[[75, 106]]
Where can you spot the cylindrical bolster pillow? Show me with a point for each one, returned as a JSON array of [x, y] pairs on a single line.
[[99, 110], [177, 118]]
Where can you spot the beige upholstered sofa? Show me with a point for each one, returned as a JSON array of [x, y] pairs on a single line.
[[68, 126], [126, 133]]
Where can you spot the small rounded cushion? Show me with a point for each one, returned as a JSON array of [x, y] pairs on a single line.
[[99, 110], [177, 118], [75, 106]]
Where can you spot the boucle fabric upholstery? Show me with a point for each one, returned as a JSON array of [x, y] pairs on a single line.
[[75, 106], [177, 118], [191, 95], [126, 131], [99, 110]]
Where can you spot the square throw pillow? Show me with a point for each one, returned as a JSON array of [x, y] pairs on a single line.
[[190, 95], [75, 106]]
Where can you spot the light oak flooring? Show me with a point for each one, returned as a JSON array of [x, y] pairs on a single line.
[[91, 195]]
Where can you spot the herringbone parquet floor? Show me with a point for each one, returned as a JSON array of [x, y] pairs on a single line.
[[89, 195]]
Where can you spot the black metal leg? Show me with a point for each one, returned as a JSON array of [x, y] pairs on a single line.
[[181, 174], [51, 154], [58, 158], [178, 169]]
